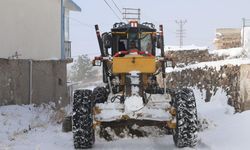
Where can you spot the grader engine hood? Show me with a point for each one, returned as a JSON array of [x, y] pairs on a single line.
[[131, 63]]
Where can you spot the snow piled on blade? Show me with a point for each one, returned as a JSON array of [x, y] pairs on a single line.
[[133, 103]]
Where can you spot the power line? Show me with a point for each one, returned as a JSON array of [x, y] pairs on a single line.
[[181, 32], [80, 22], [112, 10], [117, 6]]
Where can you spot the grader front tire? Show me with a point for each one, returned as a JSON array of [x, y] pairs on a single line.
[[185, 133], [82, 120]]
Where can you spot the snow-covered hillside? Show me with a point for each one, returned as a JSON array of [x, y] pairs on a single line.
[[29, 128]]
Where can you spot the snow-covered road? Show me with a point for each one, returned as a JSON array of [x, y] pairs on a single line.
[[226, 131]]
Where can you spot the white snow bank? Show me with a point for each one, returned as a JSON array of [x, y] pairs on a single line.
[[230, 53], [231, 133], [18, 120], [215, 64], [228, 131], [186, 47], [217, 105]]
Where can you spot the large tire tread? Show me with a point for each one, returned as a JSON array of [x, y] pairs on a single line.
[[185, 134], [82, 120]]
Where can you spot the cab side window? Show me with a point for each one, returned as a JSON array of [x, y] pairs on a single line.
[[122, 45]]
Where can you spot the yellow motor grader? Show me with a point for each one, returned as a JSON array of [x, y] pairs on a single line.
[[134, 90]]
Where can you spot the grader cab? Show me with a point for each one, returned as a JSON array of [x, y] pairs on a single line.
[[135, 88]]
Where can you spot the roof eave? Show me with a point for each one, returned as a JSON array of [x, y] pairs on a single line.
[[71, 5]]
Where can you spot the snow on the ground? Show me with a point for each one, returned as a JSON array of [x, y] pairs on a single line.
[[32, 128], [229, 53], [19, 123], [185, 47], [228, 131], [214, 64]]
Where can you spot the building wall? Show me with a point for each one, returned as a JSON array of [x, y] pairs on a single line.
[[227, 38], [245, 86], [246, 39], [46, 83], [32, 28]]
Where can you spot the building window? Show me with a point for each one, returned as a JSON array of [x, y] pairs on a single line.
[[60, 82]]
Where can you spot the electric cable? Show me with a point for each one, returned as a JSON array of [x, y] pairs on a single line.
[[112, 10]]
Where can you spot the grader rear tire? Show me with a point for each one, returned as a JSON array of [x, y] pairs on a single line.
[[185, 133], [100, 95], [82, 120]]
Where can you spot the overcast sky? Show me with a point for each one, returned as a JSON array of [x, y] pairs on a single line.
[[203, 17]]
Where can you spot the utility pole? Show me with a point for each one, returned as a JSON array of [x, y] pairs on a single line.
[[181, 32], [243, 32]]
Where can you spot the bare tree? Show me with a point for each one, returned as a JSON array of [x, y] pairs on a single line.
[[82, 70]]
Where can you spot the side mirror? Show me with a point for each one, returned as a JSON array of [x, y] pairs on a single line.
[[158, 41], [170, 63], [107, 40]]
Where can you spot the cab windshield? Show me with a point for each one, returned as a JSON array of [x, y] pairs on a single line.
[[146, 42]]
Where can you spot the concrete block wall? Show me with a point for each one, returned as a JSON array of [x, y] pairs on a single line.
[[14, 82], [47, 82]]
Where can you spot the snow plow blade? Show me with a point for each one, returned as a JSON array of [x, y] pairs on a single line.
[[132, 128], [131, 122]]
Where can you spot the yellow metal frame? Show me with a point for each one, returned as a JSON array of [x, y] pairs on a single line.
[[119, 32], [134, 63]]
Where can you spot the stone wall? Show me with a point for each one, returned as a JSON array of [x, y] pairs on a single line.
[[187, 57], [210, 79], [228, 77], [46, 83]]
